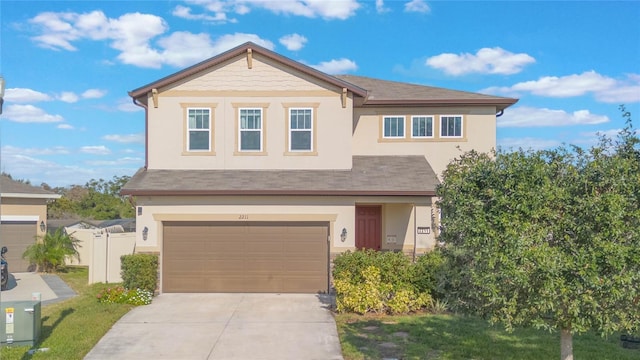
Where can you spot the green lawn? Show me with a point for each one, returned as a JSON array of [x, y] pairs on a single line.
[[71, 328], [459, 337]]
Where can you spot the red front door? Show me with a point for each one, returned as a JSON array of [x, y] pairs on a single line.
[[369, 227]]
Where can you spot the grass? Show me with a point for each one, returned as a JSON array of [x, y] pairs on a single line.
[[427, 336], [71, 328]]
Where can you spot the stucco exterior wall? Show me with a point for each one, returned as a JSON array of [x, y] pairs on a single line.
[[479, 133], [397, 219], [18, 207], [232, 86]]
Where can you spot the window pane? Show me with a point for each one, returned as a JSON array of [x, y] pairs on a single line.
[[393, 127], [250, 140], [301, 140], [198, 140], [429, 126], [250, 119], [451, 126]]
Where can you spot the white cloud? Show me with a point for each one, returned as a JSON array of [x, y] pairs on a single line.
[[94, 94], [126, 104], [21, 95], [95, 150], [293, 42], [417, 6], [307, 8], [68, 97], [527, 143], [524, 116], [132, 34], [56, 150], [339, 66], [29, 114], [115, 162], [380, 9], [485, 61], [604, 89], [65, 127], [128, 138]]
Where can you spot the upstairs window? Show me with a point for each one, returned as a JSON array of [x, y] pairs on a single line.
[[300, 129], [250, 136], [422, 126], [393, 126], [451, 126], [199, 127]]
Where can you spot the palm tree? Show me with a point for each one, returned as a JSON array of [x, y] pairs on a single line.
[[50, 252]]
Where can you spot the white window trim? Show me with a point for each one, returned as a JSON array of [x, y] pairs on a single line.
[[461, 127], [310, 130], [404, 126], [189, 130], [260, 131], [432, 126]]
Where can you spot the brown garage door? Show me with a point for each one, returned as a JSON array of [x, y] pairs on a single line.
[[252, 257], [16, 236]]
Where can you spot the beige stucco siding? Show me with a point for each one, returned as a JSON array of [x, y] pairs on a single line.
[[398, 216], [234, 86], [10, 208], [478, 133]]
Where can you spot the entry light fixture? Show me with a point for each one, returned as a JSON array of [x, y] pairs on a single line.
[[343, 235], [43, 226], [145, 233]]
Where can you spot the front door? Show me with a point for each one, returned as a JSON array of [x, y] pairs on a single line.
[[368, 227]]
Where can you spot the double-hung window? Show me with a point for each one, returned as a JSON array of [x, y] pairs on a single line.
[[451, 126], [250, 130], [199, 127], [300, 129], [422, 126], [393, 126]]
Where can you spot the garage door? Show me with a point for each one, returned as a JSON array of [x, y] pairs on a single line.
[[252, 257], [16, 236]]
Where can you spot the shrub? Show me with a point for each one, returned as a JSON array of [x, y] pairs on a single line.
[[50, 252], [426, 271], [120, 295], [394, 266], [139, 271]]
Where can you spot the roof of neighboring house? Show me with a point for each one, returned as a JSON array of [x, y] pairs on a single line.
[[230, 54], [127, 224], [384, 92], [370, 175], [375, 92], [16, 189]]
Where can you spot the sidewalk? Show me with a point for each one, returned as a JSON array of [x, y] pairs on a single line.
[[22, 286]]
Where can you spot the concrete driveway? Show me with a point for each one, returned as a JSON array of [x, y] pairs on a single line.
[[224, 326]]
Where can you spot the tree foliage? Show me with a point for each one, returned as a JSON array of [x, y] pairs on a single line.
[[548, 238], [97, 199]]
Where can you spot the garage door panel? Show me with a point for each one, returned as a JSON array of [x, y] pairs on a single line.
[[17, 236], [248, 257]]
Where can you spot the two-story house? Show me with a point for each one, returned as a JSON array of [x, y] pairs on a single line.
[[259, 169]]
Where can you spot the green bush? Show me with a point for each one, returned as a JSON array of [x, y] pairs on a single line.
[[377, 282], [426, 271], [139, 271], [50, 251]]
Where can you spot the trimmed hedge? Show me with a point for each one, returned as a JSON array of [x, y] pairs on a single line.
[[139, 271], [385, 282]]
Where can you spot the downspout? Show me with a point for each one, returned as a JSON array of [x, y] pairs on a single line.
[[415, 230], [146, 131], [500, 113]]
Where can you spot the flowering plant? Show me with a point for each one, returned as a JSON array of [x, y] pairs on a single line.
[[120, 295]]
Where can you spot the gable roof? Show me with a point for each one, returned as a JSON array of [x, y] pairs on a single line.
[[16, 189], [389, 93], [375, 92], [370, 175], [240, 50]]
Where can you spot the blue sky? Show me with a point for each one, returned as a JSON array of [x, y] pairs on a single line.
[[68, 65]]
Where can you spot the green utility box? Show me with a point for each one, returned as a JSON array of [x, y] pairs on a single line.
[[20, 322]]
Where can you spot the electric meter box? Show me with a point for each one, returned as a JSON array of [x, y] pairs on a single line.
[[20, 322]]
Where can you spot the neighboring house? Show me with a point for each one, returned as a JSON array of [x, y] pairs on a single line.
[[23, 217], [259, 169]]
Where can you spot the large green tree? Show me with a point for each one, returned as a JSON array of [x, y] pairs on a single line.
[[549, 239]]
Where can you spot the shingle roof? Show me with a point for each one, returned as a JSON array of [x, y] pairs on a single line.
[[12, 188], [384, 92], [370, 175]]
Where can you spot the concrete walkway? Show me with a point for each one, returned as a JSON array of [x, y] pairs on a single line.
[[22, 286], [224, 327]]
